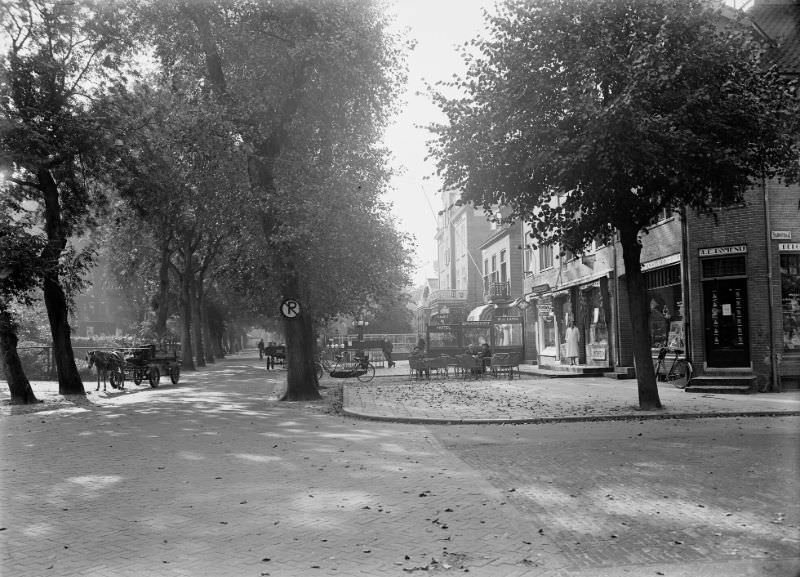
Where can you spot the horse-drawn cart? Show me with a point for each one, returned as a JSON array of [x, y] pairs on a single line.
[[150, 363]]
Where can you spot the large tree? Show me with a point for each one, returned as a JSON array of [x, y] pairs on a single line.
[[591, 117], [310, 86], [59, 55], [20, 273], [181, 174]]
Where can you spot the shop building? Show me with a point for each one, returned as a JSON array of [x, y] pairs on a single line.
[[589, 290], [744, 287]]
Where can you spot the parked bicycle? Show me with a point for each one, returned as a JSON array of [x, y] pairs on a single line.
[[345, 367], [678, 372]]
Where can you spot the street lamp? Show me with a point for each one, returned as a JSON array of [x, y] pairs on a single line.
[[523, 305], [360, 325]]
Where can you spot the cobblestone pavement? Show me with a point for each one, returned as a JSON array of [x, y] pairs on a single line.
[[214, 477], [670, 497]]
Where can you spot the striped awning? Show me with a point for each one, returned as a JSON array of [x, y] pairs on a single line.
[[481, 313]]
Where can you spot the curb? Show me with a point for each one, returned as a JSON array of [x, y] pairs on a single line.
[[541, 420]]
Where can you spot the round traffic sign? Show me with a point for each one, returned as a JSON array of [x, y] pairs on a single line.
[[290, 308]]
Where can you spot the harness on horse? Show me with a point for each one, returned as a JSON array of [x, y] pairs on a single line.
[[105, 362]]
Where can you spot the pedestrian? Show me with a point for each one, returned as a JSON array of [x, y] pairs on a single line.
[[387, 347], [269, 351], [485, 355], [572, 335], [261, 349]]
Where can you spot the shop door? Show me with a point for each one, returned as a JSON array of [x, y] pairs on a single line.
[[726, 330]]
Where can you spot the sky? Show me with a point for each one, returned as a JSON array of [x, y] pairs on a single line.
[[439, 27]]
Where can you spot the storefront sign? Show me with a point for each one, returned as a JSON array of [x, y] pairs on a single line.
[[789, 246], [597, 352], [544, 310], [781, 235], [663, 261], [723, 250]]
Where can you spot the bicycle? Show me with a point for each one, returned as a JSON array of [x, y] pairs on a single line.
[[342, 367], [679, 373]]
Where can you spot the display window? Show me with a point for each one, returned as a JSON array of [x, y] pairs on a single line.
[[790, 301], [562, 307], [666, 308], [548, 331], [507, 334], [597, 333]]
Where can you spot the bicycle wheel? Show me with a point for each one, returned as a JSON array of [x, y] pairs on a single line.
[[680, 374], [368, 375]]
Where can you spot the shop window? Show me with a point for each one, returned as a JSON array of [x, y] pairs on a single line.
[[666, 307], [562, 305], [723, 267], [507, 334], [597, 335], [548, 332], [790, 299]]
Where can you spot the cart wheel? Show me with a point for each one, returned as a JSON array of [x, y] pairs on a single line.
[[137, 376], [117, 378], [154, 376], [175, 375]]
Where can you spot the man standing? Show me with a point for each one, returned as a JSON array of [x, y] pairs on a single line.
[[387, 347], [261, 349]]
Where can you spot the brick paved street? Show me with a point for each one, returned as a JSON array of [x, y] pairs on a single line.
[[212, 477], [641, 497]]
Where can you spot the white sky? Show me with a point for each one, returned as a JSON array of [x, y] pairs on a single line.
[[439, 27]]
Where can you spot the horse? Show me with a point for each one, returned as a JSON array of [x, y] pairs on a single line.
[[105, 361]]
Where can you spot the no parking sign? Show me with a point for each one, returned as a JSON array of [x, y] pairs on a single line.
[[290, 308]]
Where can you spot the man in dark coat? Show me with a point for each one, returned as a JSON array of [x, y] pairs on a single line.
[[387, 347]]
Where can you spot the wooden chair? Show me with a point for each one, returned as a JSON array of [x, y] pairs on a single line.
[[417, 368], [438, 365], [472, 367], [454, 365], [501, 364], [515, 360]]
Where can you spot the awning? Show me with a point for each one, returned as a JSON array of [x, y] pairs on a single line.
[[481, 313]]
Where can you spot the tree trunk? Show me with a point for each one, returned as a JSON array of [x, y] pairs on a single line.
[[199, 340], [208, 339], [301, 374], [18, 384], [637, 302], [55, 300], [163, 290], [186, 302]]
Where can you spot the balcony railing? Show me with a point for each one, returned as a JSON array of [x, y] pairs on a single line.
[[442, 296], [496, 291]]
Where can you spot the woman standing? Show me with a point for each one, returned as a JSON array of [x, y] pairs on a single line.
[[572, 337]]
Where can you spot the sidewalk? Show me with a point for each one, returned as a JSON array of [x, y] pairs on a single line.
[[393, 396]]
